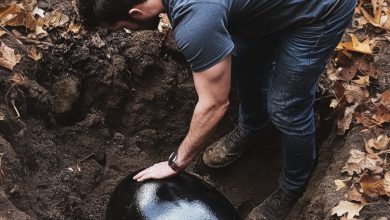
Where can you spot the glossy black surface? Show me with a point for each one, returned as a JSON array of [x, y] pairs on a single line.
[[180, 197]]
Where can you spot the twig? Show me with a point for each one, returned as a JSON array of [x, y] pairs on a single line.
[[11, 35], [383, 152], [363, 174], [16, 110], [82, 160], [7, 93], [1, 171], [22, 46]]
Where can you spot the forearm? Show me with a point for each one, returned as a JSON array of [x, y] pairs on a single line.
[[204, 121]]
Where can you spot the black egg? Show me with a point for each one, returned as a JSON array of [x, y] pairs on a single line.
[[180, 197]]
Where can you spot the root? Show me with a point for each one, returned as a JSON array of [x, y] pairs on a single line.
[[16, 109], [1, 171]]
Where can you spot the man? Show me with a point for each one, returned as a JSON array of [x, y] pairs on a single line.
[[276, 49]]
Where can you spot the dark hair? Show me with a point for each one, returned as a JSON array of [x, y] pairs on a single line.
[[97, 12]]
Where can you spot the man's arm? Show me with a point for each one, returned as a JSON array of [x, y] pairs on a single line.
[[212, 87]]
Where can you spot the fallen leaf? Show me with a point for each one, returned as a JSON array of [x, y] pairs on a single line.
[[356, 45], [362, 81], [386, 183], [359, 22], [355, 93], [355, 196], [366, 67], [334, 103], [16, 15], [38, 11], [346, 74], [356, 156], [372, 185], [56, 18], [382, 115], [2, 116], [378, 19], [343, 207], [164, 25], [364, 119], [385, 99], [8, 58], [34, 54], [2, 32], [351, 168], [344, 123], [12, 15], [371, 163], [74, 27], [339, 184], [379, 143]]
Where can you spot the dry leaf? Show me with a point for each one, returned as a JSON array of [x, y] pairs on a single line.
[[386, 183], [346, 74], [364, 119], [16, 15], [371, 163], [12, 15], [344, 123], [372, 185], [2, 32], [343, 207], [379, 143], [378, 19], [359, 22], [334, 103], [355, 94], [2, 116], [356, 45], [356, 156], [382, 115], [74, 27], [34, 54], [56, 18], [366, 68], [362, 81], [351, 168], [385, 99], [341, 183], [355, 196], [19, 79], [164, 25], [8, 58]]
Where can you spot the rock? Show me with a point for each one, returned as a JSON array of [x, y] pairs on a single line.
[[65, 93]]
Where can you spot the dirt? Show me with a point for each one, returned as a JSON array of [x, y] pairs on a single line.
[[99, 106]]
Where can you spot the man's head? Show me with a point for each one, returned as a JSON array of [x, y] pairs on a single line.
[[116, 14]]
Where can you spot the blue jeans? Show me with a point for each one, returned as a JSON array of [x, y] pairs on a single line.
[[277, 81]]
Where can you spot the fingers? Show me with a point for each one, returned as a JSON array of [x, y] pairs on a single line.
[[144, 177], [142, 173]]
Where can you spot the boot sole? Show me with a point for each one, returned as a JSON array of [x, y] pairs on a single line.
[[225, 164]]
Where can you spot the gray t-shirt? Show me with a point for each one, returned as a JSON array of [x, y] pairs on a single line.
[[202, 28]]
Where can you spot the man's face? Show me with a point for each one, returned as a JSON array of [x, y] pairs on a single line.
[[132, 24]]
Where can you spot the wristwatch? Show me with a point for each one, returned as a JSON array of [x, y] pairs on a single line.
[[172, 163]]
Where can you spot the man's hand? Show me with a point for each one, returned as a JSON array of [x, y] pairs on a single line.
[[157, 171]]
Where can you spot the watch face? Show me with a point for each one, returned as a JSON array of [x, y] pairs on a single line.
[[172, 159]]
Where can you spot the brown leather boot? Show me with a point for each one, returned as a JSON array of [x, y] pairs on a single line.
[[274, 207], [228, 148]]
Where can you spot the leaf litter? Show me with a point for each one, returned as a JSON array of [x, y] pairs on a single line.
[[353, 73]]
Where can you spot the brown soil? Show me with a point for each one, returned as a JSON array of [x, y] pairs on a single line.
[[98, 107]]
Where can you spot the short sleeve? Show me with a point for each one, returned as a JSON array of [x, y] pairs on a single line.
[[201, 34]]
